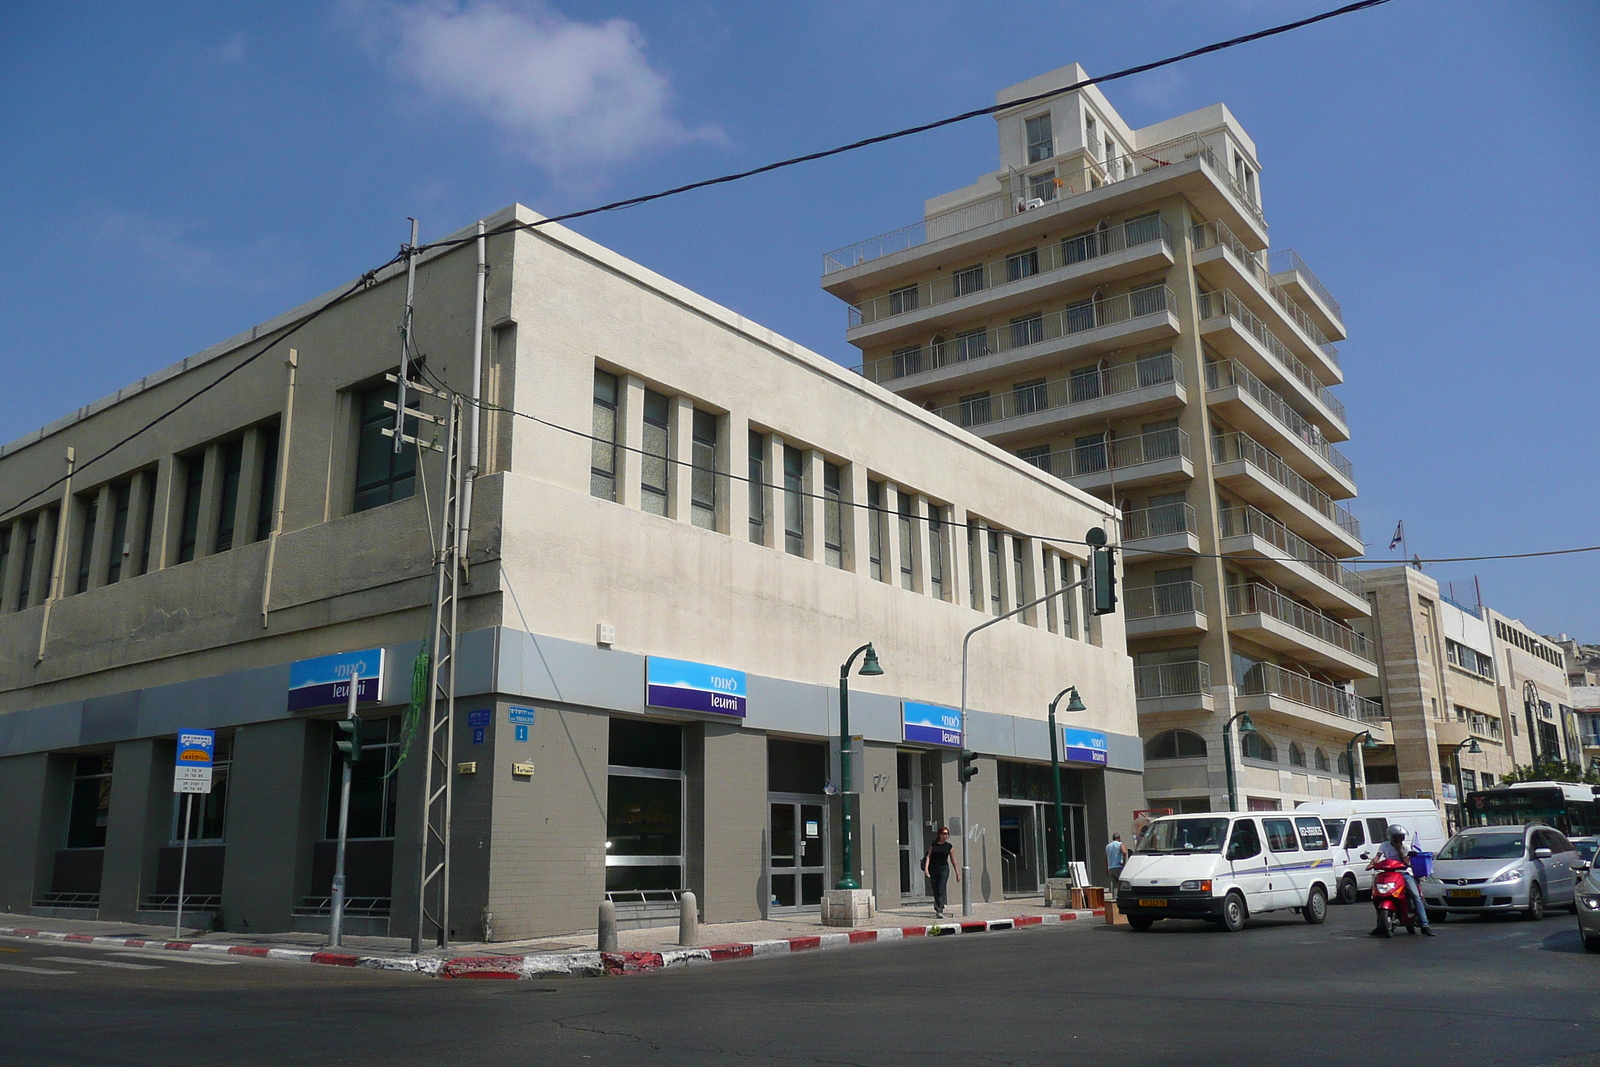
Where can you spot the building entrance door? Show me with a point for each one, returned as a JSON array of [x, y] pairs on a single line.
[[1020, 849], [799, 850]]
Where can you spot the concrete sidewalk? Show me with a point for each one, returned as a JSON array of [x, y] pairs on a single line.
[[573, 954]]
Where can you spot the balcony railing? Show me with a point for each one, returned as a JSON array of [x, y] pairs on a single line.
[[1155, 601], [1223, 373], [1207, 234], [1014, 269], [1189, 678], [1100, 457], [1163, 520], [1282, 262], [1237, 521], [1021, 332], [1016, 197], [1077, 389], [1223, 303], [1269, 679], [1254, 599], [1232, 446]]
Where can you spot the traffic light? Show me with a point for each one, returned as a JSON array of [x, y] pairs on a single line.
[[969, 766], [349, 741], [1103, 571]]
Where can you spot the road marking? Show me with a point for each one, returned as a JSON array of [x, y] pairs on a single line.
[[98, 963], [178, 957], [31, 970]]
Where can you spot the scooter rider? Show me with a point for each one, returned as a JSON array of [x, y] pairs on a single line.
[[1395, 849]]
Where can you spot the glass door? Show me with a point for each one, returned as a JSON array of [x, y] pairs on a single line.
[[799, 852]]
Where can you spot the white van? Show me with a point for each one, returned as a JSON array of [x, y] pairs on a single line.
[[1358, 827], [1227, 867]]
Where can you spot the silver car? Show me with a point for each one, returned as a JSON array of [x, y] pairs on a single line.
[[1589, 908], [1503, 869]]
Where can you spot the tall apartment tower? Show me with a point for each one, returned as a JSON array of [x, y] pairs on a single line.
[[1104, 305]]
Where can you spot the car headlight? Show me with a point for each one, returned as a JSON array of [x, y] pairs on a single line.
[[1591, 903], [1513, 875], [1431, 880], [1196, 885], [1124, 887]]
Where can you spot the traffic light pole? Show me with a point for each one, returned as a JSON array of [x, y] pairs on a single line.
[[336, 912]]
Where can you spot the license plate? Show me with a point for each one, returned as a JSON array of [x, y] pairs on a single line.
[[1466, 894], [1152, 903]]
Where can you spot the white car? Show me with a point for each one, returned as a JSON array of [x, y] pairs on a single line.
[[1357, 827]]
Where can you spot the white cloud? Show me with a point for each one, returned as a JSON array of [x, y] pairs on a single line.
[[572, 96]]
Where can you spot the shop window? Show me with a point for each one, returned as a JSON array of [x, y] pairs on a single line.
[[382, 474], [373, 789], [703, 484], [644, 807], [1175, 744], [654, 477], [1032, 781], [603, 447], [91, 801], [208, 812]]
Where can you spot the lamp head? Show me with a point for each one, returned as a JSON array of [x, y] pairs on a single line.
[[869, 665], [1370, 743], [1075, 702], [1473, 746], [1245, 725]]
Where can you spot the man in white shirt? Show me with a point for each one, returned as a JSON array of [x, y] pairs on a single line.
[[1395, 849]]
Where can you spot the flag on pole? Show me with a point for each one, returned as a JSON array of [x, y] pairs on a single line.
[[1399, 535]]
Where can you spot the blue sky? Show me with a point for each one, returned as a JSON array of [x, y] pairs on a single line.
[[172, 173]]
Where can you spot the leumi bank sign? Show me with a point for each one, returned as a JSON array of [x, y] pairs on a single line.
[[930, 724], [315, 683], [683, 685]]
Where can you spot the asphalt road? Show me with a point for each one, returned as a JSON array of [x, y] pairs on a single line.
[[1280, 992]]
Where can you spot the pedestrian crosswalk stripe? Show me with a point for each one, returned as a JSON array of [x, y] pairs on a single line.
[[31, 970], [178, 957], [99, 963]]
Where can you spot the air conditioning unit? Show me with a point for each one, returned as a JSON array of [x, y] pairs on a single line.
[[1035, 202]]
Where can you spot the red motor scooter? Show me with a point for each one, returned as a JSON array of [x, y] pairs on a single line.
[[1389, 898]]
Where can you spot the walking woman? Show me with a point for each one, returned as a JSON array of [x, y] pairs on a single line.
[[937, 865]]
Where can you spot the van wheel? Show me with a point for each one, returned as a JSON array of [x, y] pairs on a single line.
[[1348, 890], [1535, 910], [1316, 909], [1592, 944], [1140, 923], [1233, 913]]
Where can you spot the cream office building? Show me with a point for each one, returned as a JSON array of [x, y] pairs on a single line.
[[678, 490], [1104, 306]]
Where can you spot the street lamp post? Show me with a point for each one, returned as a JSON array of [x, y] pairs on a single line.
[[1367, 745], [1075, 704], [1472, 746], [1245, 727], [869, 669]]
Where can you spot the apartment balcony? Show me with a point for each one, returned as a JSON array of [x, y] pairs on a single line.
[[1223, 259], [1272, 620], [1291, 272], [1252, 405], [1261, 477], [1289, 560], [1163, 610], [1173, 687], [1166, 529], [1020, 279], [1028, 343], [1268, 689], [1150, 384], [1186, 166], [1125, 462], [1236, 332]]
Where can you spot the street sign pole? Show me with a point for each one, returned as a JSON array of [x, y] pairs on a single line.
[[336, 916], [183, 864]]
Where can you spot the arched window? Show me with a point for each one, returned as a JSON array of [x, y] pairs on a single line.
[[1321, 759], [1255, 746], [1175, 744], [1344, 764], [1297, 755]]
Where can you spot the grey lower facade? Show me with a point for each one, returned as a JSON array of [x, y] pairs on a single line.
[[748, 818]]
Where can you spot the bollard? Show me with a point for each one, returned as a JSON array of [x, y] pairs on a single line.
[[608, 926], [488, 925], [688, 920]]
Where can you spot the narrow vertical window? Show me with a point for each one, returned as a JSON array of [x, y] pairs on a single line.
[[267, 491], [7, 535], [703, 485], [758, 488], [1041, 145], [1065, 600], [28, 535], [86, 546], [194, 472], [382, 474], [232, 466], [653, 467], [875, 519], [1019, 583], [994, 572], [936, 551], [974, 594], [832, 515], [794, 510], [903, 507], [149, 523], [603, 448]]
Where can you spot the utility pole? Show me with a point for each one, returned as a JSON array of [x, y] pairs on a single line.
[[350, 750], [410, 252]]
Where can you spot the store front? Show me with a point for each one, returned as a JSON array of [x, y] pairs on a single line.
[[797, 824], [1028, 826]]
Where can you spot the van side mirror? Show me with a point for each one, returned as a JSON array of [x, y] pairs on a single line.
[[1542, 853], [1581, 869]]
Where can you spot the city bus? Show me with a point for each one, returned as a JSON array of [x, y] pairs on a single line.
[[1572, 809]]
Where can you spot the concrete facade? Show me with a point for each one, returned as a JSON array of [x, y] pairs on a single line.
[[602, 534], [1105, 307]]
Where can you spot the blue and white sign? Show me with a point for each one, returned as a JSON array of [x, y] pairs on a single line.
[[687, 686], [521, 732], [930, 724], [316, 683], [194, 761], [480, 734], [518, 715], [479, 718], [1084, 746]]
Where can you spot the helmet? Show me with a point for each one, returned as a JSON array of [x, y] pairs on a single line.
[[1397, 833]]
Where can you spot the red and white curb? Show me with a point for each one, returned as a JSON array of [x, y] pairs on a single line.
[[563, 964]]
